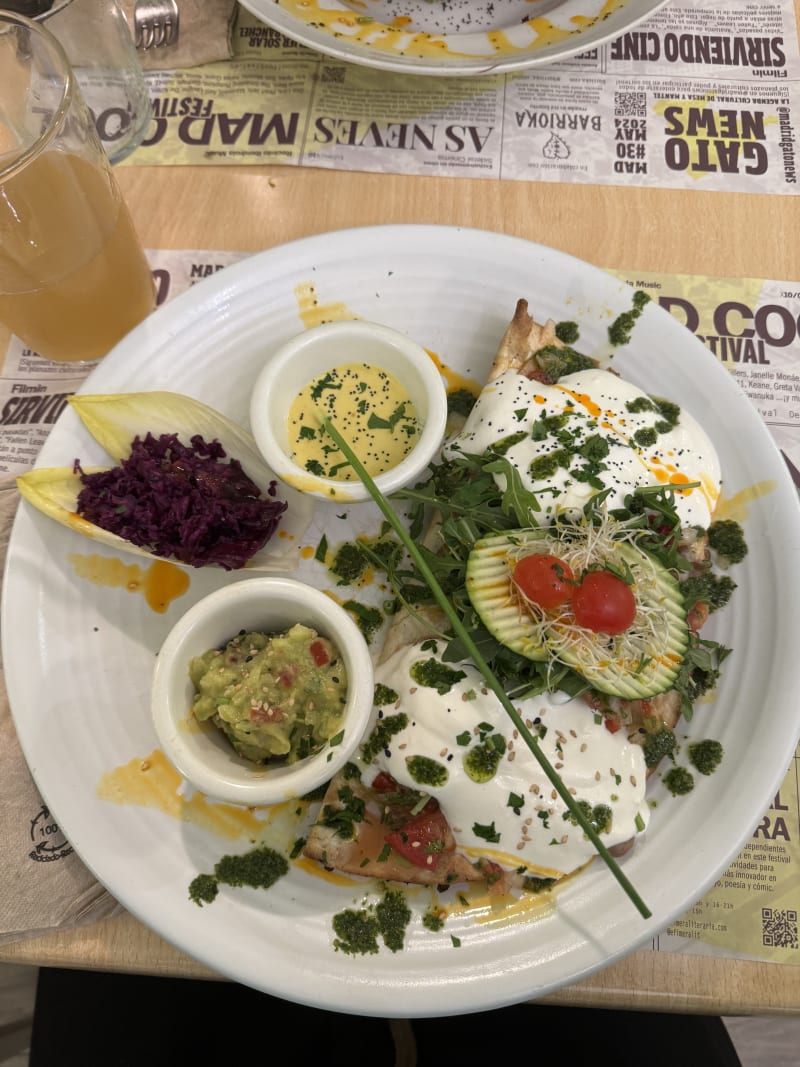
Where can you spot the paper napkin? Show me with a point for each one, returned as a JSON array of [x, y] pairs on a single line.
[[44, 886], [205, 35]]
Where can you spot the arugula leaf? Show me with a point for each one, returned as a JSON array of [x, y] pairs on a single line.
[[517, 502]]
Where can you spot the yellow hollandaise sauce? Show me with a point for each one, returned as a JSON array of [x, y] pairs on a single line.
[[371, 409]]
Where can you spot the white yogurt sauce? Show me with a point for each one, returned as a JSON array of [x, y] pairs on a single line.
[[595, 765], [592, 402]]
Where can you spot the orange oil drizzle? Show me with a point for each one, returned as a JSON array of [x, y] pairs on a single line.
[[313, 313], [583, 399], [152, 782], [160, 583], [453, 380], [737, 507], [400, 37]]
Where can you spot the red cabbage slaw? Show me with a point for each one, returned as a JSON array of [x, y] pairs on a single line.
[[183, 503]]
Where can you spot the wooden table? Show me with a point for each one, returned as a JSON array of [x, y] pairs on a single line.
[[248, 209]]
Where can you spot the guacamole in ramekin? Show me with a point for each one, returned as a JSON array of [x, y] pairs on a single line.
[[276, 697]]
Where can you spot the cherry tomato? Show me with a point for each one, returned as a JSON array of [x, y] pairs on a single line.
[[544, 580], [603, 603]]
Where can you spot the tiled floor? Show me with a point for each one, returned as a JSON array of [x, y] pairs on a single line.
[[17, 995], [768, 1041]]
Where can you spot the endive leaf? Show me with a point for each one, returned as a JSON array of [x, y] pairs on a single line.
[[115, 420], [54, 491]]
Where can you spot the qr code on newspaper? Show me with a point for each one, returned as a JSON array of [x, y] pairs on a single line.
[[332, 74], [779, 928], [631, 105]]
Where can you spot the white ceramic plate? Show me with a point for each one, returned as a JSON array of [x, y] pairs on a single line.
[[451, 37], [79, 657]]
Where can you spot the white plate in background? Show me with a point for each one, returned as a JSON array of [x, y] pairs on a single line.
[[452, 37]]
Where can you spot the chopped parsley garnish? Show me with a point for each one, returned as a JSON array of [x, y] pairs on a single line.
[[203, 889], [260, 868], [619, 332], [534, 884], [426, 771], [679, 781], [668, 411], [598, 816], [726, 538], [342, 820], [705, 756], [481, 762], [384, 695], [645, 437], [460, 402], [376, 422], [556, 361], [368, 619], [657, 745], [486, 833], [381, 736], [567, 332], [545, 466], [349, 563], [393, 915], [357, 931], [327, 381], [595, 448], [436, 675], [433, 920], [322, 550]]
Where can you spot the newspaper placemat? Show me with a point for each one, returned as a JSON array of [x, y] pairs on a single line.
[[752, 326], [687, 100]]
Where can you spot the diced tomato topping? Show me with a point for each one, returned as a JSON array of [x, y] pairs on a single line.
[[493, 872], [384, 783], [423, 838], [287, 677], [320, 653], [697, 616], [612, 723]]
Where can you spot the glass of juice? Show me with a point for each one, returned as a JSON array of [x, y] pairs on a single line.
[[100, 49], [73, 276]]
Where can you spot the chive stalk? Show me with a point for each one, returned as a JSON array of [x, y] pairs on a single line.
[[491, 679]]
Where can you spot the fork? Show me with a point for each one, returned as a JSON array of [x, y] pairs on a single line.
[[156, 22]]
